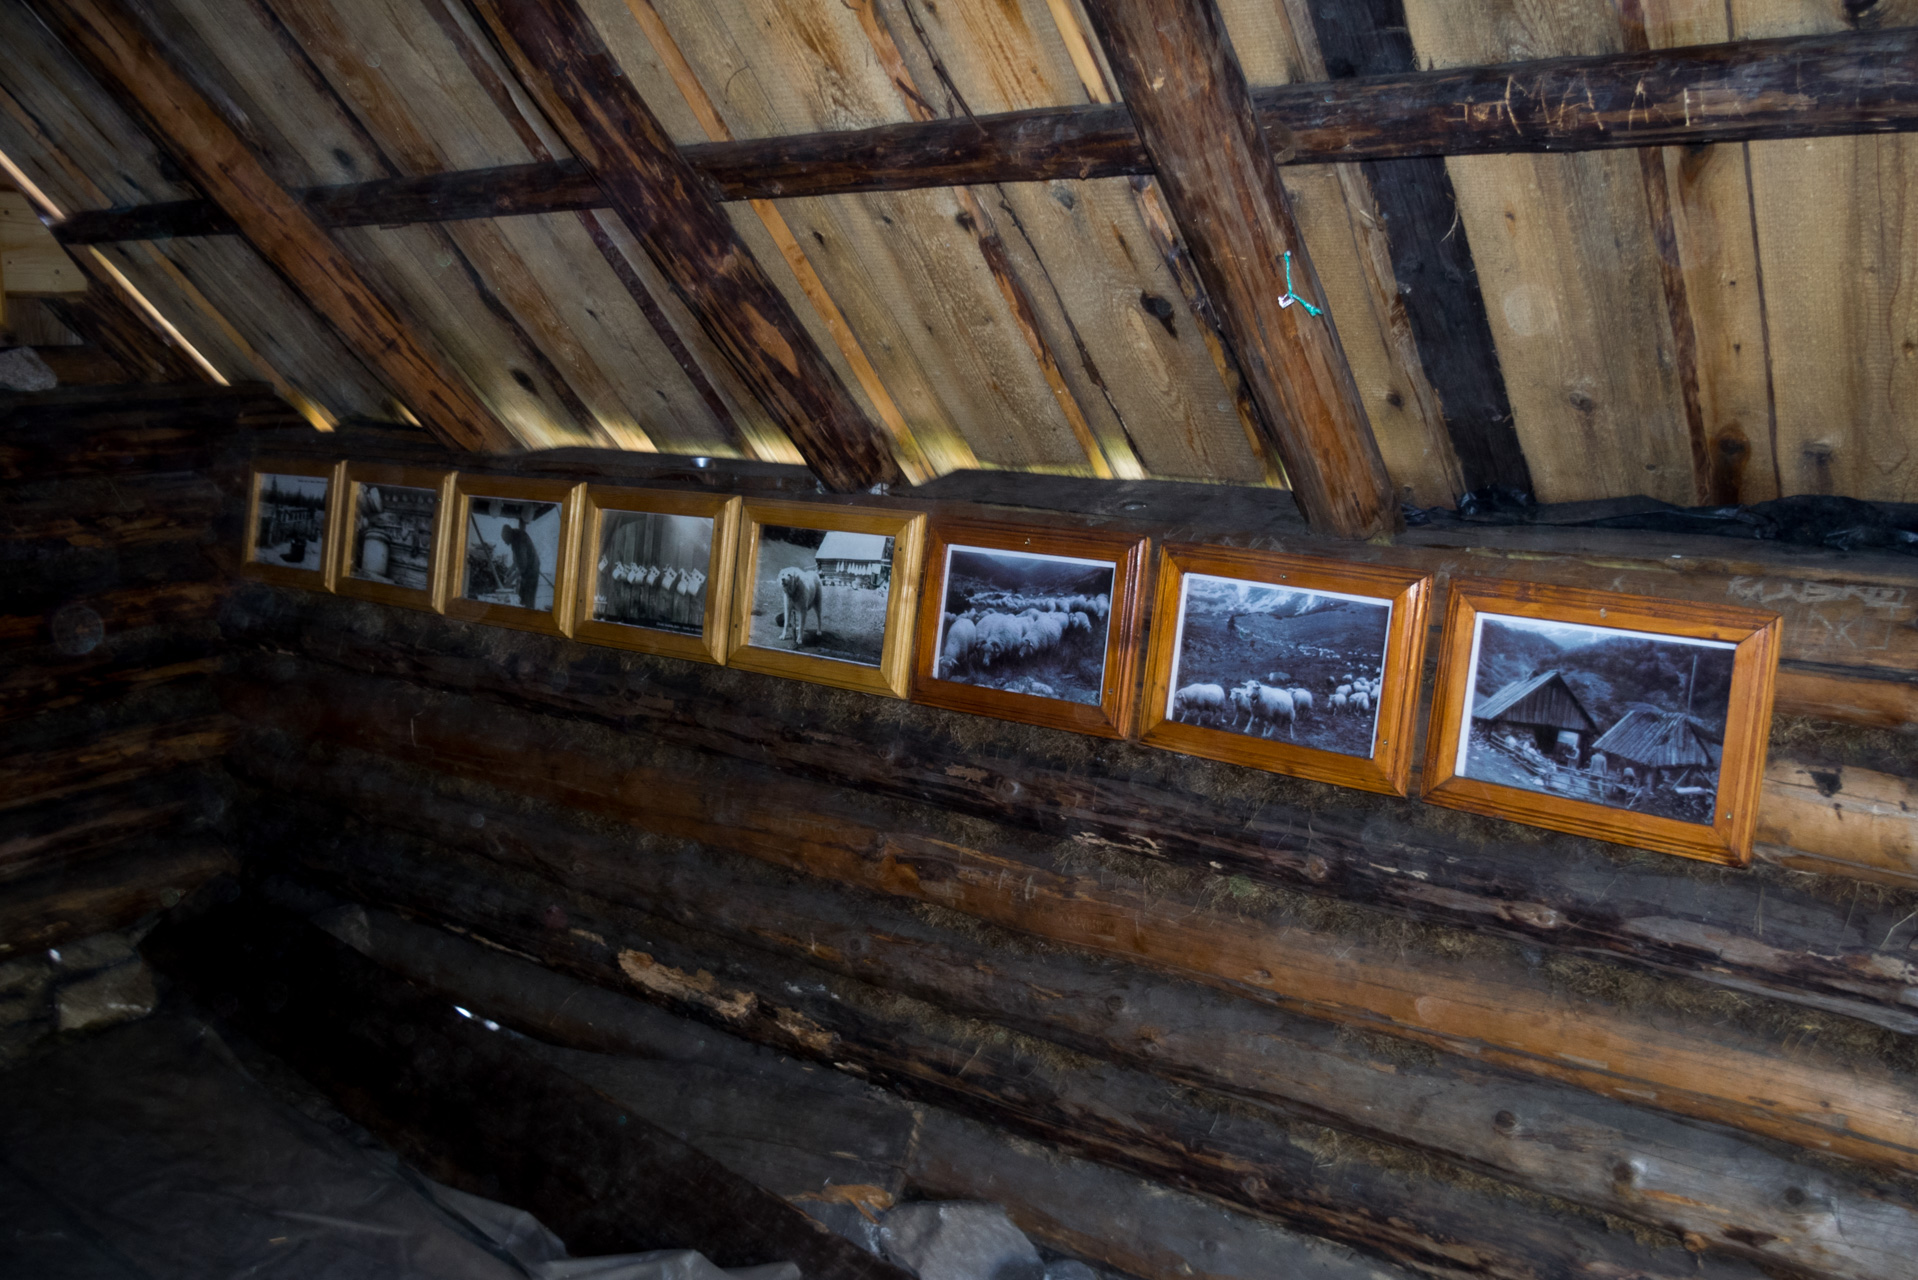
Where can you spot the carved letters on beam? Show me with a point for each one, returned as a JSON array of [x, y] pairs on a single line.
[[666, 203], [113, 43], [1189, 98]]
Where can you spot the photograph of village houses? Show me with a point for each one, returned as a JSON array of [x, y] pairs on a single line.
[[1621, 718]]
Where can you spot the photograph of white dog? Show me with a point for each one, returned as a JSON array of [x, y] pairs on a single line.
[[822, 592]]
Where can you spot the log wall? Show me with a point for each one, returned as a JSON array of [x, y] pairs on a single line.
[[1459, 1045], [111, 734]]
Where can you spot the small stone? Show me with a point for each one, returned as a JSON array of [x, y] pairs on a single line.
[[120, 994], [96, 952], [957, 1240], [22, 369], [21, 1009], [22, 975]]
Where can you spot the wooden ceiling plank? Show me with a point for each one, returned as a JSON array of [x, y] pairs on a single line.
[[1570, 270], [567, 68], [1342, 224], [916, 302], [1856, 81], [1837, 230], [109, 39], [1188, 95], [1109, 453], [1428, 284]]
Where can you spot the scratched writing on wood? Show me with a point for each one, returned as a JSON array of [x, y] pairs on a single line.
[[1833, 620]]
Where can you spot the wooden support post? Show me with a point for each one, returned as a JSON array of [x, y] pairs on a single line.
[[559, 56], [1194, 112], [113, 43]]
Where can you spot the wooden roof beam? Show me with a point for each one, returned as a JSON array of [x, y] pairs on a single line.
[[112, 42], [560, 58], [1796, 87], [1188, 95]]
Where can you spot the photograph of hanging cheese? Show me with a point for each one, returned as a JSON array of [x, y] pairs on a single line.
[[656, 570]]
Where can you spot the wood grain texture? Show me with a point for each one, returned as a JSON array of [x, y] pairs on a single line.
[[1183, 84], [566, 66], [1497, 1014], [113, 44], [1838, 280]]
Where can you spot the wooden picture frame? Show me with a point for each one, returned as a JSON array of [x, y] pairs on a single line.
[[713, 610], [1351, 637], [492, 539], [882, 663], [323, 572], [424, 540], [1055, 600], [1541, 645]]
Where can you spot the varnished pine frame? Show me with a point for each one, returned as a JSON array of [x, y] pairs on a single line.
[[556, 621], [711, 644], [359, 474], [1388, 769], [908, 532], [323, 578], [1748, 715], [1112, 716]]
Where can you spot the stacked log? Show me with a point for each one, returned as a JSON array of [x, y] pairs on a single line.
[[110, 768]]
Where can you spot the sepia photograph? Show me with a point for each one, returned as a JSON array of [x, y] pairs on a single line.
[[822, 592], [393, 535], [292, 521], [1628, 719], [1279, 662], [652, 570], [1025, 623], [512, 551]]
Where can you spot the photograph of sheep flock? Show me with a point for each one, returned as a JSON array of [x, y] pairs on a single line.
[[652, 570], [292, 521], [1025, 623], [1623, 718], [822, 592], [1279, 662]]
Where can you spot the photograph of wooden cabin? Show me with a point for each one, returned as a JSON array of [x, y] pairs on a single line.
[[1622, 718], [351, 928]]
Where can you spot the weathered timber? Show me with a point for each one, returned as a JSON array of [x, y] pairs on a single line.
[[1182, 82], [110, 324], [1866, 814], [1797, 86], [1244, 1154], [557, 53], [105, 893], [1396, 855], [147, 812], [1509, 1017], [422, 852], [1432, 263], [478, 1110], [111, 40]]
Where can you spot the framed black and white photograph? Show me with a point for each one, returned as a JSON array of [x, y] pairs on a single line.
[[292, 510], [515, 552], [1297, 665], [824, 593], [396, 533], [1031, 623], [1615, 715], [656, 571]]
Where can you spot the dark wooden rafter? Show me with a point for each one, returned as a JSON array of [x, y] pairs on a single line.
[[1792, 87], [106, 320], [113, 43], [1431, 257], [1188, 95], [568, 71]]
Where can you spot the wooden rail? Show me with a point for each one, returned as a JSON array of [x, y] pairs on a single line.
[[1794, 87]]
